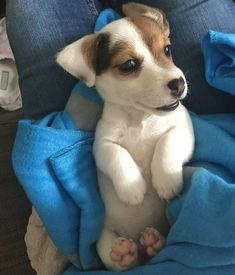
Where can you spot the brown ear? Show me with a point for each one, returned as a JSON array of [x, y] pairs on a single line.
[[86, 57], [135, 9], [77, 59]]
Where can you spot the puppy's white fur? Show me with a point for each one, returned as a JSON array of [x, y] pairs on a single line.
[[139, 150]]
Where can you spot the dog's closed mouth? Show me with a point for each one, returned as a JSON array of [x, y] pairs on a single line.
[[168, 108]]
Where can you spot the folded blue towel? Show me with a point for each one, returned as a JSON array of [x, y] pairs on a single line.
[[219, 53], [53, 161]]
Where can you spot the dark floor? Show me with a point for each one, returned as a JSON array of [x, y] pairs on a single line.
[[14, 207], [2, 8]]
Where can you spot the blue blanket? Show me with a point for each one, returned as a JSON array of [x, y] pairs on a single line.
[[53, 161], [219, 51]]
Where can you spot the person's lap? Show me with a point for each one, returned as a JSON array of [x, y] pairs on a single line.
[[39, 29]]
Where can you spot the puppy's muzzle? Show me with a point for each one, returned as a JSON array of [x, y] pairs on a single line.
[[177, 87]]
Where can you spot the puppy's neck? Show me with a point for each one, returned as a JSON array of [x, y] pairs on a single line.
[[118, 113]]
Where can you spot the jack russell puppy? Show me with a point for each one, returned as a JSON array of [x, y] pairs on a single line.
[[145, 134]]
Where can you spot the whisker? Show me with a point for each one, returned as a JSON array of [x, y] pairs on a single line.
[[187, 72]]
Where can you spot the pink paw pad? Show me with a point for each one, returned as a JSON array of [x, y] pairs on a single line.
[[124, 251], [152, 240]]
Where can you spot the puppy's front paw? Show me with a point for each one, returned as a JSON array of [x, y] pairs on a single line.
[[132, 192], [168, 185]]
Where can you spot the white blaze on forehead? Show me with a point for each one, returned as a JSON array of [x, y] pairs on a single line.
[[124, 31]]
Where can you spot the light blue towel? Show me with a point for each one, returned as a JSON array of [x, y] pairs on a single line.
[[219, 53], [53, 162]]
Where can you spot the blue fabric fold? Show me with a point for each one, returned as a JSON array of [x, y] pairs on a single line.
[[75, 169], [35, 143], [53, 161], [219, 53]]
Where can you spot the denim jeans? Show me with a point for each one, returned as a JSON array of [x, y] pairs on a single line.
[[39, 29]]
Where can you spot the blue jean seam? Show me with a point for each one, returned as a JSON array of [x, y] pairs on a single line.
[[92, 7]]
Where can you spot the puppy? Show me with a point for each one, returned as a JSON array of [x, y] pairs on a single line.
[[144, 136]]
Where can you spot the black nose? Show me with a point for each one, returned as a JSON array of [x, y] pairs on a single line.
[[177, 87]]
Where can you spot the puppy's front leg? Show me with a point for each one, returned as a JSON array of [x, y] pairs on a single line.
[[171, 152], [116, 163]]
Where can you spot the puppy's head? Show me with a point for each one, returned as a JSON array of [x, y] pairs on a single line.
[[129, 61]]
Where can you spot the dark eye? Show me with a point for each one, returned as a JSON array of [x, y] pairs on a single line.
[[167, 50], [129, 66]]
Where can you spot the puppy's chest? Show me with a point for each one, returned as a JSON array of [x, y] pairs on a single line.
[[140, 139]]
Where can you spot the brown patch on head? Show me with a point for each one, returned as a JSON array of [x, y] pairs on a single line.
[[122, 52], [96, 51], [87, 48], [153, 37], [101, 58], [136, 9]]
